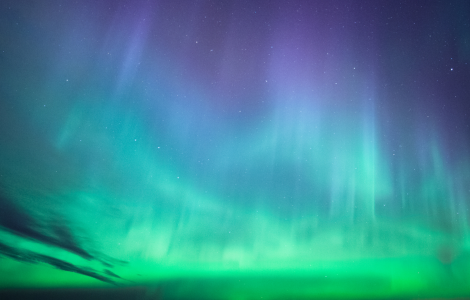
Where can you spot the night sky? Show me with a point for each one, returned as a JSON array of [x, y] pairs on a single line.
[[240, 149]]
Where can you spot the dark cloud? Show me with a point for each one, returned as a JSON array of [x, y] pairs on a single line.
[[111, 274], [15, 254], [106, 264], [17, 221], [108, 261], [66, 266], [32, 257], [67, 242]]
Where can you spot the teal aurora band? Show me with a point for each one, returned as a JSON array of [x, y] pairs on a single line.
[[234, 149]]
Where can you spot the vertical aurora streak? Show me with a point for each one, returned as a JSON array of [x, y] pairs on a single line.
[[235, 149]]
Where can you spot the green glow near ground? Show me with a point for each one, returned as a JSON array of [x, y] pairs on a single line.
[[177, 240], [387, 278], [142, 150]]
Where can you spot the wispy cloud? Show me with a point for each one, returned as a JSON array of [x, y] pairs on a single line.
[[32, 257]]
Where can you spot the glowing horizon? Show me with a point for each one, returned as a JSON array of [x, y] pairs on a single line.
[[194, 145]]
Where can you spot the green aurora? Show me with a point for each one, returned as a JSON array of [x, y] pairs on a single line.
[[145, 156]]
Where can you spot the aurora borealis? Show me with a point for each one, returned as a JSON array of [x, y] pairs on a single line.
[[235, 149]]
